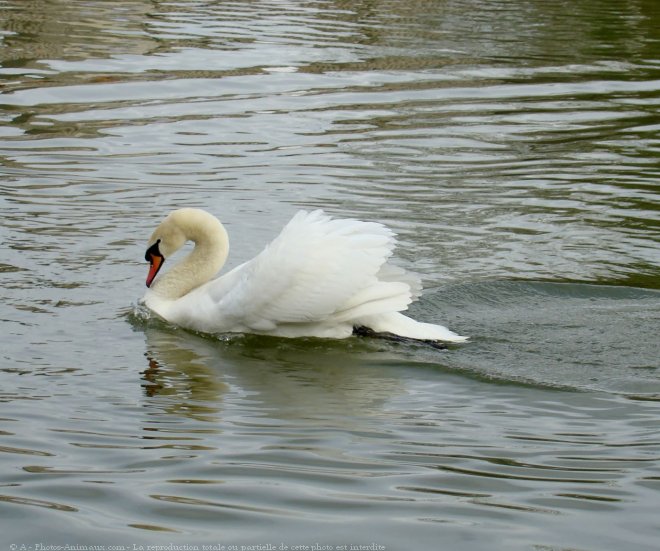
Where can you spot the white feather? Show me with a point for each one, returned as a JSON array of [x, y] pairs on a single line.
[[319, 277]]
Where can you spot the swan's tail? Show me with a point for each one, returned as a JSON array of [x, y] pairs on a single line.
[[403, 326]]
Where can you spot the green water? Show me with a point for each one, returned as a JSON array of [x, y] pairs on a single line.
[[513, 146]]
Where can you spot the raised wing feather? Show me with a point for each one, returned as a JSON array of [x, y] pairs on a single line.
[[315, 269]]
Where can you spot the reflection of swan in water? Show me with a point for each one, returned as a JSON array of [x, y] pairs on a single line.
[[182, 373], [320, 277], [291, 378]]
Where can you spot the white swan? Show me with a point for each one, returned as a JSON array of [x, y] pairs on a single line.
[[319, 277]]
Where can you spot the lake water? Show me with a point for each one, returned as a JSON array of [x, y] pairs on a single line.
[[512, 145]]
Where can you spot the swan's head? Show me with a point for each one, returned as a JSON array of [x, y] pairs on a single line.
[[180, 226], [168, 238]]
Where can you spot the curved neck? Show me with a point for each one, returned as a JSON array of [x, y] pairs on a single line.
[[199, 266]]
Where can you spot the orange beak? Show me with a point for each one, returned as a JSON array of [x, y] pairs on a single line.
[[155, 259]]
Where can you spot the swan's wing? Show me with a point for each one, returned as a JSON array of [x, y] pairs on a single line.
[[315, 269], [390, 272]]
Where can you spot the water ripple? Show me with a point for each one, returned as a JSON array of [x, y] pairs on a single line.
[[513, 148]]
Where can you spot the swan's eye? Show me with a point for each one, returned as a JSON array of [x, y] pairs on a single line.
[[153, 251]]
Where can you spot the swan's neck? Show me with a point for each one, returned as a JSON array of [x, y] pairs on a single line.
[[199, 266]]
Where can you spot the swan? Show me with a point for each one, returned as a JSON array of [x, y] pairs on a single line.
[[320, 277]]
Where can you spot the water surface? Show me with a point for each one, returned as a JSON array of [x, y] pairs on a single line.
[[513, 146]]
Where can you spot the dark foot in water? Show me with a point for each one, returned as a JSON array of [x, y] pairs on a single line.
[[363, 331]]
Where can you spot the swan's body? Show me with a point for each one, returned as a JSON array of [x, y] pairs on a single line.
[[320, 277]]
